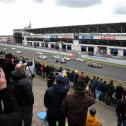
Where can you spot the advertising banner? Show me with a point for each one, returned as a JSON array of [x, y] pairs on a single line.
[[87, 37]]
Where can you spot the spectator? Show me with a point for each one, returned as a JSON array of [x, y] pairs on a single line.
[[121, 112], [50, 79], [65, 80], [98, 89], [109, 90], [43, 70], [30, 71], [10, 116], [37, 68], [81, 76], [47, 71], [103, 91], [124, 93], [92, 119], [8, 66], [68, 73], [75, 106], [75, 78], [87, 79], [53, 100], [22, 90], [71, 78], [93, 85], [119, 92]]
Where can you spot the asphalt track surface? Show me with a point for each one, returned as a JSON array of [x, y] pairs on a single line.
[[115, 72]]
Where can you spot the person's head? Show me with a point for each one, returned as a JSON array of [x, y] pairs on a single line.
[[82, 72], [9, 56], [92, 111], [59, 79], [97, 78], [80, 86], [29, 63], [104, 82], [120, 84], [111, 82], [65, 75], [20, 68], [94, 77]]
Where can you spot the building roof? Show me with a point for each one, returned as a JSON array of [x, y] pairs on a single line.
[[90, 28]]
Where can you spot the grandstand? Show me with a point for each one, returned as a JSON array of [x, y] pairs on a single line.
[[104, 39]]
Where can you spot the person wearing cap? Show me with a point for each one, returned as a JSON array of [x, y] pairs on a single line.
[[91, 119], [65, 80], [53, 99], [75, 106]]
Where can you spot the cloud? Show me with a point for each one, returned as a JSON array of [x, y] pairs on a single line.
[[6, 1], [39, 1], [77, 3], [9, 1], [121, 9]]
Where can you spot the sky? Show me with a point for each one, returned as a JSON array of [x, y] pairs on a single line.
[[17, 14]]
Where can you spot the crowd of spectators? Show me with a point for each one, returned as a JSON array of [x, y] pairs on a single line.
[[59, 101]]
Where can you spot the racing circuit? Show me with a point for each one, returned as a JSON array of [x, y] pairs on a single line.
[[107, 70]]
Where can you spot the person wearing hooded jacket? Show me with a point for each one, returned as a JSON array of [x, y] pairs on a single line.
[[75, 106], [22, 90], [53, 99], [91, 119]]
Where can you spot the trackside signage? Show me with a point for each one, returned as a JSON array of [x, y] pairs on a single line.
[[87, 37], [108, 37]]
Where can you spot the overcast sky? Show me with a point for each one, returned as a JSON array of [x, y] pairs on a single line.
[[16, 14]]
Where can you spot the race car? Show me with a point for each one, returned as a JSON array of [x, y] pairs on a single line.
[[66, 58], [79, 59], [62, 60], [39, 53], [42, 57], [57, 57], [94, 65], [18, 51]]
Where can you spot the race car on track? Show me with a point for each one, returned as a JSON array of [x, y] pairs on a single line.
[[62, 60], [42, 57], [39, 53], [66, 58], [79, 59], [18, 51], [57, 57], [94, 65]]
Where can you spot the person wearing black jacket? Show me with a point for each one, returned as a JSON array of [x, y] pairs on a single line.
[[8, 66], [119, 92], [50, 79], [53, 99], [109, 92], [121, 112], [10, 115], [22, 90]]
